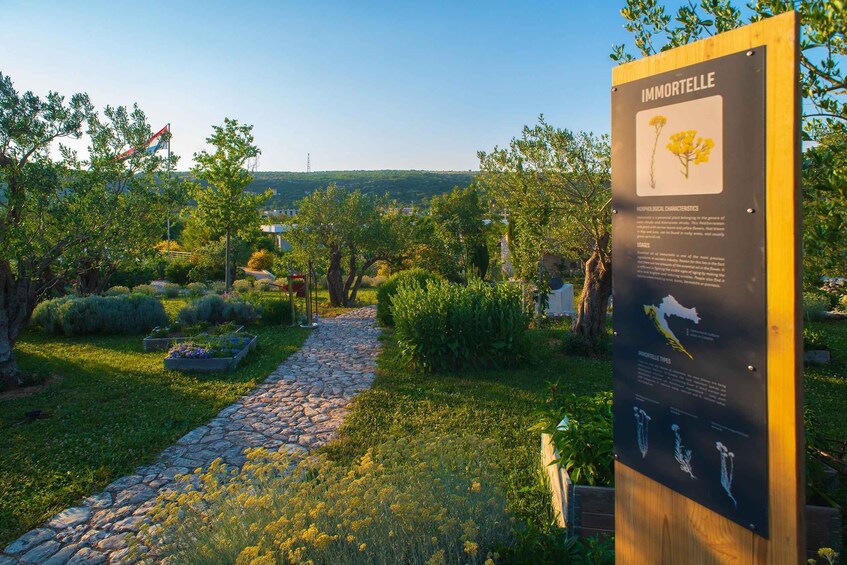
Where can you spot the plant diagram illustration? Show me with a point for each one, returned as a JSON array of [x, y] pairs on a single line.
[[679, 148]]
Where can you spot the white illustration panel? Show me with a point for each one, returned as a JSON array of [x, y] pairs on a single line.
[[679, 148]]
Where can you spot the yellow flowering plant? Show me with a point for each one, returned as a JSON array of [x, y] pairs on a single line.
[[688, 147], [428, 500]]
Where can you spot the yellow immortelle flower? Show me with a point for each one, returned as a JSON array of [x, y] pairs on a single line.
[[363, 547], [471, 548], [475, 486], [688, 147], [658, 120]]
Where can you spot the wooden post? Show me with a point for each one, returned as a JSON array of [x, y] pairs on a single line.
[[655, 525]]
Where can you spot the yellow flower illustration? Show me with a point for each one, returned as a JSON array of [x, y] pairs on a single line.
[[658, 122], [688, 147]]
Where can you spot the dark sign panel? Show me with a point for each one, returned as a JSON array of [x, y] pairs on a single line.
[[690, 312]]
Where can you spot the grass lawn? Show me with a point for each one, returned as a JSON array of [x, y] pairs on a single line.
[[826, 385], [493, 404], [365, 297], [110, 408]]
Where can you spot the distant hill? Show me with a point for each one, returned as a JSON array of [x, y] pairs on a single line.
[[407, 187]]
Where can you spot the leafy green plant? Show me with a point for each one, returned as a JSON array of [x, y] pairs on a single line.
[[450, 326], [388, 290], [215, 310], [196, 289], [147, 289], [70, 316], [426, 500], [117, 291], [581, 431], [171, 290], [242, 285], [814, 339], [276, 312], [176, 271]]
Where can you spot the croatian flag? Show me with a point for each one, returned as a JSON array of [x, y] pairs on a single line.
[[157, 141]]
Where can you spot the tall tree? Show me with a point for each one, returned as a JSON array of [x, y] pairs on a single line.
[[460, 233], [36, 226], [136, 189], [822, 45], [352, 231], [223, 206], [555, 186], [58, 213], [825, 205]]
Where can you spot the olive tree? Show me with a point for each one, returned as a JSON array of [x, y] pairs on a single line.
[[555, 187]]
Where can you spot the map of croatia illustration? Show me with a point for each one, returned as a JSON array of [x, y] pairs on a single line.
[[669, 306]]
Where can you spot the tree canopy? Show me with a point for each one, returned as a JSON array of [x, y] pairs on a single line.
[[822, 46], [555, 187]]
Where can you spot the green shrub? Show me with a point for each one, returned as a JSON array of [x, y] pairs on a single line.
[[137, 273], [218, 287], [264, 285], [131, 314], [117, 291], [450, 326], [814, 339], [171, 290], [176, 271], [388, 290], [407, 501], [276, 312], [215, 310], [584, 442], [815, 306], [843, 302], [147, 289], [242, 285], [196, 289]]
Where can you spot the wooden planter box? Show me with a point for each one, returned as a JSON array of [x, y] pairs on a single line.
[[165, 343], [214, 364], [590, 511]]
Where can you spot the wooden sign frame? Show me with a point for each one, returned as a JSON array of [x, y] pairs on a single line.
[[653, 524]]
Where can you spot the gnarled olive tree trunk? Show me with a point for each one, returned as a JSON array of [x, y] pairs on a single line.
[[590, 321], [16, 304], [334, 282]]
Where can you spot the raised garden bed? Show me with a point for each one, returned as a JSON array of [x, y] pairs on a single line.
[[589, 511], [151, 343], [213, 362]]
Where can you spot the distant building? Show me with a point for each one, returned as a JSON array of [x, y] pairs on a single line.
[[277, 230], [288, 212]]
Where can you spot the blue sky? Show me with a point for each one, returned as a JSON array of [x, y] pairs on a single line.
[[359, 85]]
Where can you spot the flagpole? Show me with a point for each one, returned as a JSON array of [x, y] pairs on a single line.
[[169, 182]]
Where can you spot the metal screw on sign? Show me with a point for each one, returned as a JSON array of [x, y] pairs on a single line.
[[614, 89], [751, 368], [614, 210], [751, 53], [614, 333], [752, 526], [751, 211]]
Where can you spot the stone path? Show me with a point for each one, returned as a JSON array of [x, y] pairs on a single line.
[[300, 406]]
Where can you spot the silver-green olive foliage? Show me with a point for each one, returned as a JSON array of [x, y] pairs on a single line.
[[60, 214], [823, 49]]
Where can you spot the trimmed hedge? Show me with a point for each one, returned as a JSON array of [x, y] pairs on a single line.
[[387, 290], [133, 314], [215, 310], [448, 326]]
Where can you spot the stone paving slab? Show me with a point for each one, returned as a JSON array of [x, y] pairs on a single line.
[[300, 406]]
